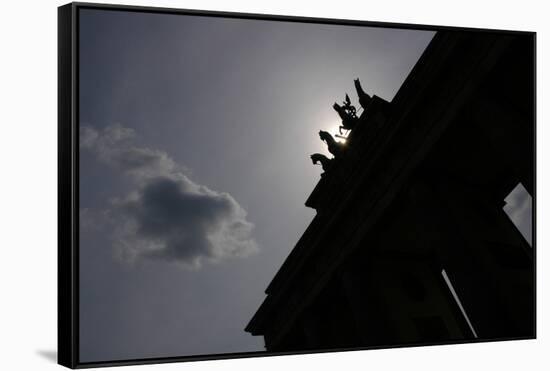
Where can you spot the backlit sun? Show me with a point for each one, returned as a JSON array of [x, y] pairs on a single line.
[[334, 131]]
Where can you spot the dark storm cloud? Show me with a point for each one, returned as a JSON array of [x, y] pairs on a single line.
[[168, 217]]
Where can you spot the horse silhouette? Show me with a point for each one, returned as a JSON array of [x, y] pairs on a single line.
[[334, 147], [326, 162]]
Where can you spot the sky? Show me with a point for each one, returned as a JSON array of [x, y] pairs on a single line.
[[195, 136], [518, 207]]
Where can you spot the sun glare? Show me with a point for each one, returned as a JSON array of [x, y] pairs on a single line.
[[335, 132]]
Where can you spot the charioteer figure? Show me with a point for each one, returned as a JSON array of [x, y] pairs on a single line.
[[347, 113]]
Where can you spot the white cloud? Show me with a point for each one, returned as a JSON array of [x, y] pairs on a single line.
[[167, 217]]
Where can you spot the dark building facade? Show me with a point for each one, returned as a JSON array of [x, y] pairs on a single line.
[[410, 243]]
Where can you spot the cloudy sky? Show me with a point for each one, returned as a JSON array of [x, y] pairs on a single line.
[[195, 136]]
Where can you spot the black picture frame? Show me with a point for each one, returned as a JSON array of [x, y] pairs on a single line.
[[68, 178]]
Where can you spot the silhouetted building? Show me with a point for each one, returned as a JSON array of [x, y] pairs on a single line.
[[410, 243]]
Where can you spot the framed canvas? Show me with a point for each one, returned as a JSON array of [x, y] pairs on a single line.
[[238, 185]]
